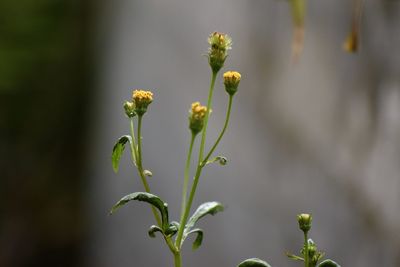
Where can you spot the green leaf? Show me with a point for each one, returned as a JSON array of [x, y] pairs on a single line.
[[220, 159], [149, 198], [172, 229], [294, 257], [199, 238], [328, 263], [254, 262], [153, 229], [118, 150], [204, 209]]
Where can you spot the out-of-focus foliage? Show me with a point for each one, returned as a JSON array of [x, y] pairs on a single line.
[[43, 90]]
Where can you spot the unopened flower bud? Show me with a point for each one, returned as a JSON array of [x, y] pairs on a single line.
[[231, 81], [141, 100], [304, 220], [196, 117], [220, 43], [129, 108]]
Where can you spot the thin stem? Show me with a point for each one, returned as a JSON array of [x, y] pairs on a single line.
[[199, 166], [186, 176], [228, 113], [177, 259], [133, 144], [306, 256], [204, 132], [137, 156], [140, 168]]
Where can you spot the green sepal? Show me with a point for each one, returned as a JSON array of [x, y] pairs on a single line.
[[118, 150], [149, 198], [328, 263], [254, 262], [153, 229], [220, 159], [199, 238]]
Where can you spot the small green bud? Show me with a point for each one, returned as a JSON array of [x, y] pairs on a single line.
[[304, 220], [196, 117], [129, 108], [141, 100], [220, 43], [231, 81]]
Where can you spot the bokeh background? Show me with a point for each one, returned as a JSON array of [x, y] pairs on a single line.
[[319, 136]]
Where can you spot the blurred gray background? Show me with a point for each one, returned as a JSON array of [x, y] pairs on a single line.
[[319, 136]]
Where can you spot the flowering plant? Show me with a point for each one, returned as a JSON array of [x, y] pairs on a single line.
[[175, 233]]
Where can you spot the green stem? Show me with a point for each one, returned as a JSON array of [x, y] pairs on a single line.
[[140, 168], [204, 132], [306, 256], [228, 113], [177, 259], [137, 156], [186, 176], [199, 166], [133, 144]]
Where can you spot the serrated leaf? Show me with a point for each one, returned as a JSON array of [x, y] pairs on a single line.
[[220, 159], [254, 262], [204, 209], [328, 263], [149, 198], [199, 238], [118, 150], [153, 229]]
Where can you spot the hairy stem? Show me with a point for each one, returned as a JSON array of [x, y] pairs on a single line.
[[306, 256]]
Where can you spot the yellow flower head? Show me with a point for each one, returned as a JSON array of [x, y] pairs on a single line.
[[196, 118], [142, 99], [217, 53], [231, 81]]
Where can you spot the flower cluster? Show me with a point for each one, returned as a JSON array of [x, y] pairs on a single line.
[[196, 117], [231, 81], [141, 99], [219, 45]]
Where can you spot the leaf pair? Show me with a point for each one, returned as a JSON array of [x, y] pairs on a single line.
[[170, 229], [260, 263]]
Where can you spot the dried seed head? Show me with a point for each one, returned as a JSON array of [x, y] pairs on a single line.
[[220, 43]]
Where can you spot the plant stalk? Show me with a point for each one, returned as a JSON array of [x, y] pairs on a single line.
[[228, 114], [178, 259], [306, 256], [199, 166]]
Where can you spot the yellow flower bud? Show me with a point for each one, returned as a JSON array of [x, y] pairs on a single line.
[[196, 117], [304, 220], [231, 81], [217, 53], [141, 100], [129, 108]]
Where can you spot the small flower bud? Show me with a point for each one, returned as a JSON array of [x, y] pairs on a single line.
[[129, 109], [304, 220], [142, 100], [196, 117], [220, 43], [231, 81]]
